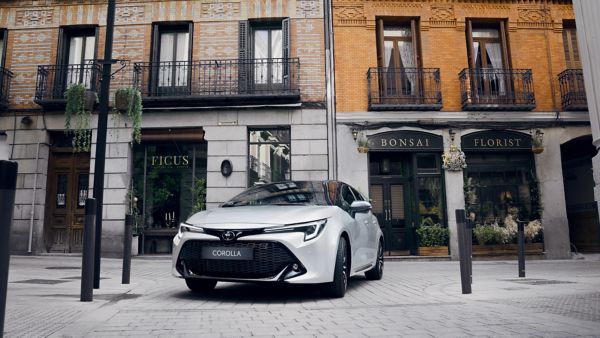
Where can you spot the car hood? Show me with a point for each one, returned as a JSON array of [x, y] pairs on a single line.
[[264, 215]]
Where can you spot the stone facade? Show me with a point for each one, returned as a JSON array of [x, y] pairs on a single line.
[[33, 33]]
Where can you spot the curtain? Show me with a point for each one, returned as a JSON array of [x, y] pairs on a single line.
[[276, 54], [165, 67], [181, 73], [261, 53], [407, 58], [388, 71], [494, 53]]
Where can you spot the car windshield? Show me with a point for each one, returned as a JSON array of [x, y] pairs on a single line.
[[282, 193]]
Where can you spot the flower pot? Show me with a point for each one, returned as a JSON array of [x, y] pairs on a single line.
[[433, 250], [89, 100], [363, 150], [537, 150], [121, 101]]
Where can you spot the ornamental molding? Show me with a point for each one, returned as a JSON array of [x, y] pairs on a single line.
[[353, 15], [34, 17], [220, 10], [308, 8], [534, 17], [130, 14], [442, 16]]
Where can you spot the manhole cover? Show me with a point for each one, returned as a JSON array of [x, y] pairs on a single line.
[[41, 281], [63, 268], [538, 281]]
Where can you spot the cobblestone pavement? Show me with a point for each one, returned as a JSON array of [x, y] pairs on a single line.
[[420, 299]]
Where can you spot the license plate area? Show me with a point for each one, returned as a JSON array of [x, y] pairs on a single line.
[[228, 253]]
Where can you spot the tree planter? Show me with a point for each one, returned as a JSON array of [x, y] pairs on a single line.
[[89, 100], [433, 250], [506, 249]]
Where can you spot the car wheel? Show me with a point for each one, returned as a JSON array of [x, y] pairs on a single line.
[[200, 285], [377, 271], [338, 287]]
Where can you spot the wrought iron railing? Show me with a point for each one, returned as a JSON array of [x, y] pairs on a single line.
[[215, 80], [5, 78], [572, 90], [497, 89], [404, 88], [53, 80]]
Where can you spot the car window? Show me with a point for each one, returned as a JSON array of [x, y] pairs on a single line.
[[357, 195], [346, 198], [282, 193]]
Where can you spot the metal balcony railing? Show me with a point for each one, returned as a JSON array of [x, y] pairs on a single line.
[[218, 82], [53, 80], [497, 89], [5, 78], [404, 88], [572, 90]]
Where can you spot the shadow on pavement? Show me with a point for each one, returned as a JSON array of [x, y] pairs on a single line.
[[265, 292]]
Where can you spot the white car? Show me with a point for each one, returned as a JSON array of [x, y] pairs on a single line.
[[308, 232]]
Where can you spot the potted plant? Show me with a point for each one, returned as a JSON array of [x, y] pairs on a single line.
[[363, 143], [79, 104], [537, 145], [433, 238], [129, 101]]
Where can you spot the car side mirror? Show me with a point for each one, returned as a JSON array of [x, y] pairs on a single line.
[[360, 206]]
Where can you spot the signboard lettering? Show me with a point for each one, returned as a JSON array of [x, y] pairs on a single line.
[[405, 140], [170, 161], [496, 140]]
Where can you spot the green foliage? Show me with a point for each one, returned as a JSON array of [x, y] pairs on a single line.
[[134, 110], [134, 211], [199, 195], [75, 108], [488, 234], [432, 234]]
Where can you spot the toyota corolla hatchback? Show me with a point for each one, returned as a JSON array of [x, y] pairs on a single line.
[[311, 232]]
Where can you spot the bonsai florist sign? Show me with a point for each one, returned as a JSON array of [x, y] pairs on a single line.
[[496, 140], [405, 140]]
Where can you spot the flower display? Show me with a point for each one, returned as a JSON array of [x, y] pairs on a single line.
[[454, 159]]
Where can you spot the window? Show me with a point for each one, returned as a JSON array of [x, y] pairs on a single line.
[[488, 57], [3, 34], [77, 56], [570, 45], [268, 155], [398, 57], [171, 58], [264, 51]]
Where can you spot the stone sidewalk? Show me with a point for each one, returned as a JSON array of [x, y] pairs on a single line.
[[419, 299]]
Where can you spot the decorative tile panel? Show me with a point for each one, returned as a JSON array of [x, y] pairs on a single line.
[[34, 17], [130, 14], [221, 10], [308, 8]]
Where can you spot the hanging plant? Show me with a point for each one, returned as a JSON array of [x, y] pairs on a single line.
[[129, 100], [362, 142], [75, 108], [454, 159]]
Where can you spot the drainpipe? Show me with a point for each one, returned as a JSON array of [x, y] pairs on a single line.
[[32, 214], [330, 92]]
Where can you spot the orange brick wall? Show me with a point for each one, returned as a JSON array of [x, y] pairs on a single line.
[[534, 39], [33, 28]]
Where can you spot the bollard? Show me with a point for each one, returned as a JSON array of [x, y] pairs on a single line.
[[8, 184], [127, 250], [469, 247], [87, 261], [521, 255], [463, 251]]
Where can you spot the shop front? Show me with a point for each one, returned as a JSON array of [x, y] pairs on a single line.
[[406, 186], [169, 185]]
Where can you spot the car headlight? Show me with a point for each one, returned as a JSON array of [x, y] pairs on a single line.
[[311, 229], [185, 227]]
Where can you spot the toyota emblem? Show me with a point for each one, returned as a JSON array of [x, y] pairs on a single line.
[[228, 235]]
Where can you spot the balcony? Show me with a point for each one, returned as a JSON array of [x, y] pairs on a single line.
[[53, 80], [572, 90], [218, 82], [5, 78], [497, 89], [404, 89]]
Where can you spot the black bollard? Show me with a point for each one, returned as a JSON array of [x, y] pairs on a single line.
[[521, 232], [463, 251], [127, 250], [87, 261], [8, 184]]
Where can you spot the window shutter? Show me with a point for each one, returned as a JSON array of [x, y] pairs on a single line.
[[507, 63], [243, 56], [379, 37], [285, 36], [470, 51]]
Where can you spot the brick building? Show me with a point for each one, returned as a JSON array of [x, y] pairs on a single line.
[[233, 94], [419, 79]]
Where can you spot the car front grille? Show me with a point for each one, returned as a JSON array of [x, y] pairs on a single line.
[[270, 258]]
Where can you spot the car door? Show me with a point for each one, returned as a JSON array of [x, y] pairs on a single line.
[[371, 226], [360, 229]]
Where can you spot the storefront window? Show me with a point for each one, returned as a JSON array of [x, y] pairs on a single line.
[[495, 182], [164, 178], [429, 189], [268, 155]]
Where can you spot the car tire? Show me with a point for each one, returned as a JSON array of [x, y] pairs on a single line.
[[377, 271], [338, 287], [200, 285]]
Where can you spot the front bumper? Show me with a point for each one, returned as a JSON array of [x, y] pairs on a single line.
[[278, 257]]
